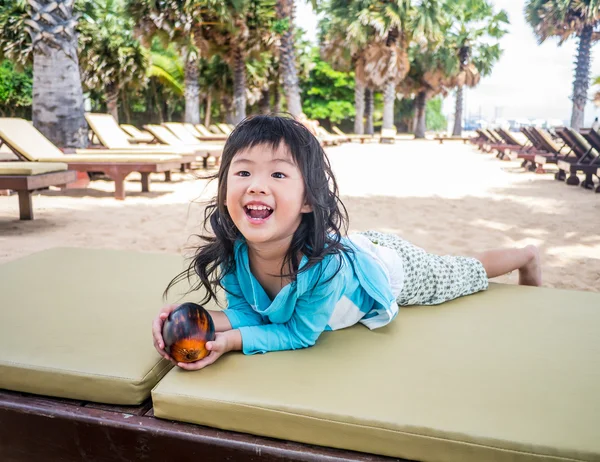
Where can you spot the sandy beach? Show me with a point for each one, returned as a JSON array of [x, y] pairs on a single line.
[[448, 199]]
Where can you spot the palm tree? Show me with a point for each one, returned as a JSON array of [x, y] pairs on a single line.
[[386, 28], [401, 22], [111, 59], [45, 31], [345, 36], [247, 34], [179, 23], [285, 27], [433, 71], [474, 30], [564, 19]]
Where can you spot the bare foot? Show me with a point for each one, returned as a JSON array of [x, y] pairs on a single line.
[[531, 273]]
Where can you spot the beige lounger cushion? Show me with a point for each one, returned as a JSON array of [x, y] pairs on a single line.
[[30, 168], [76, 323], [512, 374], [34, 146]]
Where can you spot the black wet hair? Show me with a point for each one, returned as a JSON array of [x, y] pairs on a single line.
[[320, 231]]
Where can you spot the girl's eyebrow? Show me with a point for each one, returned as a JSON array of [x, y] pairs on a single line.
[[249, 161]]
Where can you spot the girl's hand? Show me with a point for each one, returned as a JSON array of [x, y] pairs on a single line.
[[157, 326], [223, 343]]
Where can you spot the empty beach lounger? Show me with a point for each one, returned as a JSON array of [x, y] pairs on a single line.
[[588, 159], [509, 374], [354, 137], [111, 136], [200, 137], [207, 133], [225, 128], [136, 135], [204, 150], [555, 151], [31, 145], [442, 138], [216, 130], [25, 177], [526, 151]]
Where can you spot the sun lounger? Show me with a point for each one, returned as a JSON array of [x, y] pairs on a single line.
[[336, 136], [489, 141], [352, 136], [510, 374], [225, 128], [206, 132], [167, 136], [25, 177], [200, 137], [136, 135], [216, 130], [388, 135], [527, 152], [587, 162], [443, 138], [108, 132], [111, 136], [555, 151], [327, 138], [30, 145]]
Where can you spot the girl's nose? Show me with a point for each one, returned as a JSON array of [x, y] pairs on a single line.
[[257, 187]]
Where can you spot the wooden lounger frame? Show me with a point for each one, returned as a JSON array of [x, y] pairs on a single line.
[[42, 428], [441, 139], [588, 159], [25, 184]]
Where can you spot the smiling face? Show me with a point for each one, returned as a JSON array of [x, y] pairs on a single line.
[[265, 194]]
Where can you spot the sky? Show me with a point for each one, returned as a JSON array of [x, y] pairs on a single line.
[[530, 81]]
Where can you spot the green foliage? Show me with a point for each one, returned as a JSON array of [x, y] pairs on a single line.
[[561, 18], [15, 88], [109, 55], [327, 94], [434, 119]]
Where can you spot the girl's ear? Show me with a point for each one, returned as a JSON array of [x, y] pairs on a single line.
[[306, 208]]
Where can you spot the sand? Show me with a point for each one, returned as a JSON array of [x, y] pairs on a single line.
[[448, 199]]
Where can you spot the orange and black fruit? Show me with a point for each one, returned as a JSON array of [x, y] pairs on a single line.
[[186, 331]]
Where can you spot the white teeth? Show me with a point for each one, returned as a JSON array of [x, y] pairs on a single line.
[[258, 207]]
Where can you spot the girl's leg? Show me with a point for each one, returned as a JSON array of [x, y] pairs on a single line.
[[526, 260]]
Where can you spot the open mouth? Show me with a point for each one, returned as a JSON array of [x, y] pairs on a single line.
[[258, 212]]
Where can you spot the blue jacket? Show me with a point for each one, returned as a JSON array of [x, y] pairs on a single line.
[[320, 299]]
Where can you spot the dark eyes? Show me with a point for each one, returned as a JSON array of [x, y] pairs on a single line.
[[277, 175]]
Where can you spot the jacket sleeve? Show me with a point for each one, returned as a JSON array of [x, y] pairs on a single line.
[[238, 311], [310, 318]]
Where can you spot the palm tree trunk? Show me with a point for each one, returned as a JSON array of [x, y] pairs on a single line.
[[421, 102], [229, 118], [369, 111], [265, 100], [359, 106], [582, 77], [276, 98], [157, 105], [239, 86], [112, 100], [57, 106], [125, 107], [458, 112], [208, 107], [291, 87], [389, 95], [192, 89]]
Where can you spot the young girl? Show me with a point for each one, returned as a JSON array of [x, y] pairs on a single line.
[[289, 272]]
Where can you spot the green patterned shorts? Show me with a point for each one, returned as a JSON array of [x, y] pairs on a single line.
[[432, 279]]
